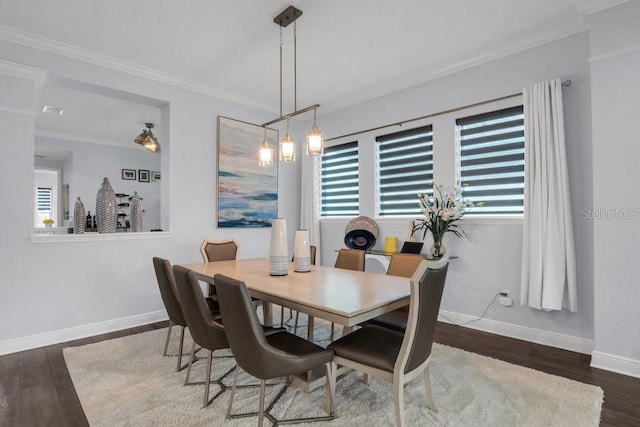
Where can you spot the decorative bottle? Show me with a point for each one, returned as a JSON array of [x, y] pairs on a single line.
[[136, 213], [79, 221], [106, 208], [278, 254], [89, 223]]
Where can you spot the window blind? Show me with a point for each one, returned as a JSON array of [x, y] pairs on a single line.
[[405, 168], [492, 160], [44, 199], [340, 195]]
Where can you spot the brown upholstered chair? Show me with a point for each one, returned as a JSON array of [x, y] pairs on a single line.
[[348, 259], [220, 250], [395, 357], [265, 357], [312, 251], [403, 265], [168, 292], [205, 330]]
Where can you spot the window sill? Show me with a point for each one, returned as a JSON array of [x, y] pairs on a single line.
[[96, 237]]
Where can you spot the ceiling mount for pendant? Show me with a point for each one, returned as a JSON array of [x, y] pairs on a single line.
[[314, 136]]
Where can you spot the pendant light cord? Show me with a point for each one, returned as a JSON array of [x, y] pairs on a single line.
[[295, 66], [280, 71]]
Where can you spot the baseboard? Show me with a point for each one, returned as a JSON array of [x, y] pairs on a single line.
[[69, 334], [538, 336], [613, 363]]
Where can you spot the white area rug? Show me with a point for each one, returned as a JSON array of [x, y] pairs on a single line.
[[127, 381]]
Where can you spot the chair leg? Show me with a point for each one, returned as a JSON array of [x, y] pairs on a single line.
[[261, 407], [427, 382], [398, 401], [281, 316], [365, 379], [330, 389], [193, 351], [233, 391], [295, 324], [333, 327], [180, 347], [166, 343], [207, 381]]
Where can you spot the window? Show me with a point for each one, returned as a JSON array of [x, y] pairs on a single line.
[[44, 204], [405, 168], [340, 180], [492, 160]]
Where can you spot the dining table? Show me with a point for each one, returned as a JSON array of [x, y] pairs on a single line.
[[345, 297]]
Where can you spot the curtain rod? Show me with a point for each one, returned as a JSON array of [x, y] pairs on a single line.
[[565, 83]]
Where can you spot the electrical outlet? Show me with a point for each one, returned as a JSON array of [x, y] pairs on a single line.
[[505, 300]]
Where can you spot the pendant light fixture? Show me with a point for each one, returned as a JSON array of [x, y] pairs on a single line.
[[266, 152], [148, 140], [314, 136]]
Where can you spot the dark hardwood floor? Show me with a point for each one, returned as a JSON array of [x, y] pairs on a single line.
[[37, 390]]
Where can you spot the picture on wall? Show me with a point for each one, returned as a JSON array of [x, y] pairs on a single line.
[[155, 176], [247, 193], [129, 174], [143, 175]]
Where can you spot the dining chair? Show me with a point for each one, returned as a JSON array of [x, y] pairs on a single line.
[[312, 252], [168, 292], [266, 357], [205, 330], [403, 265], [394, 357], [220, 250], [349, 259]]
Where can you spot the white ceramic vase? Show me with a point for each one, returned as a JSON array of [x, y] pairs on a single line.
[[278, 254], [302, 252]]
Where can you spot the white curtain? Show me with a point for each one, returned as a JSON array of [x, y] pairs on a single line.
[[548, 279], [310, 201]]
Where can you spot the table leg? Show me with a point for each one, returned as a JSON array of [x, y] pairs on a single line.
[[310, 329], [267, 311]]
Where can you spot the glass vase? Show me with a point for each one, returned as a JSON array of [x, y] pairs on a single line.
[[437, 250]]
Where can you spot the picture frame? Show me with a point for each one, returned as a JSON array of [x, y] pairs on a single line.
[[155, 176], [129, 174], [247, 193], [143, 175]]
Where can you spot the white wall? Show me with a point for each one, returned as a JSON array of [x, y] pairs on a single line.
[[53, 291], [615, 82], [90, 163], [489, 261]]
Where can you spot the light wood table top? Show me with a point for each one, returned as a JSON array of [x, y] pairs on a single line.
[[342, 296]]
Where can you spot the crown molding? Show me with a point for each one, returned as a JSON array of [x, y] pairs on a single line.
[[22, 71], [42, 43], [614, 53], [519, 45], [595, 6]]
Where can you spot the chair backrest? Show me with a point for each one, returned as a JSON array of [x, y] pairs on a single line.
[[206, 332], [168, 291], [242, 326], [426, 293], [404, 265], [312, 255], [312, 251], [223, 250], [350, 259]]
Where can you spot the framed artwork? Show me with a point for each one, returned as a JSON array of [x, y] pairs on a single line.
[[247, 193], [155, 176], [143, 175], [129, 174]]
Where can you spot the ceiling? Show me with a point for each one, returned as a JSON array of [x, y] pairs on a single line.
[[347, 51]]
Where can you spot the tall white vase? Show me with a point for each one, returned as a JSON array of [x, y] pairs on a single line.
[[302, 252], [279, 254]]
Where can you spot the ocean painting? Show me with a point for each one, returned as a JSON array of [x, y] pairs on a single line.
[[247, 193]]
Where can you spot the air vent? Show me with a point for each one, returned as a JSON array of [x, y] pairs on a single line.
[[52, 109]]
